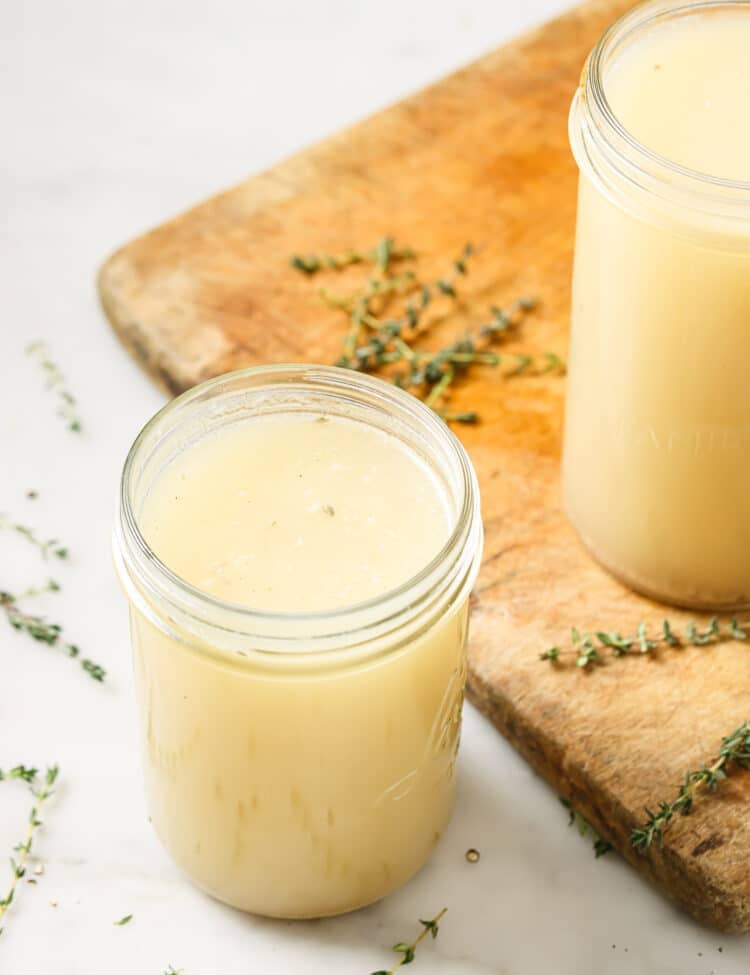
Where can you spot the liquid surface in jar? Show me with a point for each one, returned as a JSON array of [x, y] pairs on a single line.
[[682, 88], [297, 513]]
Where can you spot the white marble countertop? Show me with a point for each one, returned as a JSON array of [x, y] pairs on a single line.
[[117, 114]]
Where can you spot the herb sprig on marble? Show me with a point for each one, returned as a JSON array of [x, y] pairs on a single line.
[[41, 630], [387, 339], [68, 409], [406, 951], [734, 754], [47, 547], [589, 649], [22, 850]]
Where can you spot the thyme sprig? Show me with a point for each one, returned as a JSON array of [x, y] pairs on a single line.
[[601, 847], [383, 254], [42, 631], [378, 341], [50, 546], [587, 649], [408, 951], [734, 754], [24, 772], [23, 849], [56, 383]]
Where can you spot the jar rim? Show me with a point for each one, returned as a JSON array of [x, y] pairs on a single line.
[[144, 575], [599, 138]]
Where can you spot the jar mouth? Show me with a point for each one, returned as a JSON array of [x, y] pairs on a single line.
[[202, 617], [601, 142]]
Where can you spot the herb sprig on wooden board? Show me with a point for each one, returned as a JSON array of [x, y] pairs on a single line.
[[733, 754], [39, 629], [387, 340], [588, 649], [408, 951], [22, 850]]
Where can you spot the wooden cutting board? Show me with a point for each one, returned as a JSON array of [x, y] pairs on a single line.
[[481, 156]]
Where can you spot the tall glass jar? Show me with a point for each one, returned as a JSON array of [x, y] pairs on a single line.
[[299, 765], [656, 467]]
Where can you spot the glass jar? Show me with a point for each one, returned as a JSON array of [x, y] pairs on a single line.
[[656, 467], [299, 765]]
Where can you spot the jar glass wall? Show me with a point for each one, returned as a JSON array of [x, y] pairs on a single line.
[[655, 465], [299, 764]]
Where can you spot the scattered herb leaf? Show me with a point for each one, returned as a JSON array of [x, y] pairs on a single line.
[[588, 648], [601, 847], [378, 340], [408, 951], [49, 547], [22, 850], [56, 383], [734, 754], [42, 631]]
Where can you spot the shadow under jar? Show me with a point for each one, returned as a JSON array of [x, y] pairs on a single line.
[[298, 544], [656, 464]]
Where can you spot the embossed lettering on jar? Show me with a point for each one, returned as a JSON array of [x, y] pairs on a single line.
[[298, 545], [656, 467]]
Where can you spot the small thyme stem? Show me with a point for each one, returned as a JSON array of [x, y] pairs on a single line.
[[586, 648], [56, 383], [408, 951], [601, 847], [51, 545], [733, 753], [374, 341], [42, 631], [437, 391], [23, 772], [383, 254], [23, 849]]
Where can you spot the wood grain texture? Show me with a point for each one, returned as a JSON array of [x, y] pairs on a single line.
[[481, 156]]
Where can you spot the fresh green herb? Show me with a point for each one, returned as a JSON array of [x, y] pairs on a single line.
[[23, 849], [56, 383], [601, 847], [123, 921], [170, 970], [42, 631], [383, 254], [589, 648], [49, 547], [734, 754], [408, 951], [378, 340], [22, 772]]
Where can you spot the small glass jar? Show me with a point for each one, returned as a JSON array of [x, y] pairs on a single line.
[[656, 466], [299, 765]]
